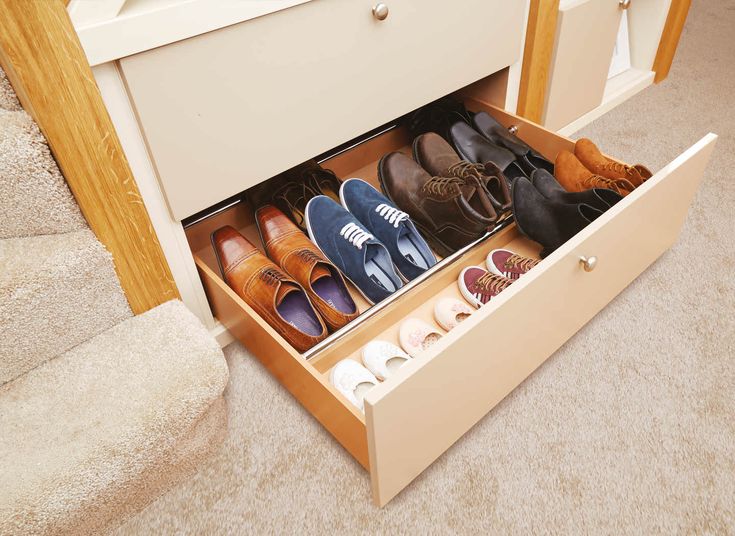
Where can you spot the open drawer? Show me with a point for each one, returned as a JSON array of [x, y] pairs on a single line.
[[412, 418]]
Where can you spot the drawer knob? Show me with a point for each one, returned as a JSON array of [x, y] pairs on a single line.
[[624, 4], [513, 129], [588, 263], [380, 11]]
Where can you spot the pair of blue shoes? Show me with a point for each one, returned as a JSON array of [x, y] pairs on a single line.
[[375, 244]]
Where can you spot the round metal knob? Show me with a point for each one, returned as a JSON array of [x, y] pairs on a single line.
[[513, 129], [380, 11], [624, 4], [588, 263]]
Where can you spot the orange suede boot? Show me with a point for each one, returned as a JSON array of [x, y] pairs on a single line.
[[591, 157], [575, 177]]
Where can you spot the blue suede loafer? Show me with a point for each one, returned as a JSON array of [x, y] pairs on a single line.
[[363, 259], [408, 249]]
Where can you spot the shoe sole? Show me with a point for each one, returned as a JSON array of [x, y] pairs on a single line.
[[491, 266], [466, 294]]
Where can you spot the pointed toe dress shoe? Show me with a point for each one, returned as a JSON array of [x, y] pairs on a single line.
[[436, 204], [599, 198], [278, 299], [547, 222], [410, 253], [575, 177], [361, 257], [474, 147], [528, 158], [591, 157], [435, 155], [288, 247]]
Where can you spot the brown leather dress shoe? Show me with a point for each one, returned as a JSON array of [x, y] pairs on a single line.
[[436, 156], [575, 177], [591, 157], [279, 300], [292, 190], [436, 204], [302, 260]]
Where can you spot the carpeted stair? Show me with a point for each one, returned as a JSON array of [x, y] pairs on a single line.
[[100, 411], [34, 198], [56, 291], [57, 282], [104, 428]]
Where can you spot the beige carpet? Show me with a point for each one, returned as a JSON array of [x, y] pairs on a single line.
[[629, 427]]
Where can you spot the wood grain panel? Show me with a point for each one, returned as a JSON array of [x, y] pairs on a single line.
[[670, 38], [41, 55], [540, 34]]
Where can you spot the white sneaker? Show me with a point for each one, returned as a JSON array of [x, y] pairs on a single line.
[[383, 358], [449, 312], [353, 381], [416, 336]]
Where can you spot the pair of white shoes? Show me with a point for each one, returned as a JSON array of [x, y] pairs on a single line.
[[353, 380], [382, 359], [416, 335]]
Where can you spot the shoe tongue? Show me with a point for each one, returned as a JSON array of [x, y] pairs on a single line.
[[318, 272], [468, 190], [284, 289]]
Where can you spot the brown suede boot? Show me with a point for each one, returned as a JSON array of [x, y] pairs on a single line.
[[597, 163], [574, 177]]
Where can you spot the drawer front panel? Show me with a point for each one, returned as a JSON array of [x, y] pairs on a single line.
[[585, 39], [231, 108], [412, 420]]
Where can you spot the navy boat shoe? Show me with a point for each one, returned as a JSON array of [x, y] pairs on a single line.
[[393, 227], [361, 257]]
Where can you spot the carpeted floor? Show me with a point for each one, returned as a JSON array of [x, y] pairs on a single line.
[[629, 427]]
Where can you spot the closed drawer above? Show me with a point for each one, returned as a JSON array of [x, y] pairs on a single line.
[[228, 109]]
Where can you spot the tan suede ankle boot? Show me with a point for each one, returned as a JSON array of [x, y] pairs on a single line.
[[591, 157], [575, 177]]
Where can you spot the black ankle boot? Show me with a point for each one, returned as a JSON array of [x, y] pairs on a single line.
[[599, 198], [550, 223]]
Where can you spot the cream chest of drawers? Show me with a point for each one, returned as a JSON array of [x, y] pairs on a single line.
[[227, 109]]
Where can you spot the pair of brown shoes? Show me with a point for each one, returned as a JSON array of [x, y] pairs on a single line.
[[588, 168], [291, 190], [298, 293], [453, 202]]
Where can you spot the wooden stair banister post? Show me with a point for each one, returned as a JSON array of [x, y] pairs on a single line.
[[43, 59]]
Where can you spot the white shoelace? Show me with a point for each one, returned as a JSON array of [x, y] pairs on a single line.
[[392, 214], [355, 234]]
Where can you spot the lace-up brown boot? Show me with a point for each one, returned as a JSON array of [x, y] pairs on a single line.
[[278, 299], [436, 156], [575, 177], [591, 157], [436, 204]]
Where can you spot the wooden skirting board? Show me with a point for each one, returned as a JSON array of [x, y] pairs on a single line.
[[42, 57]]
